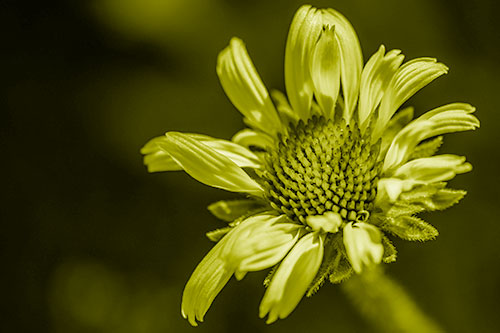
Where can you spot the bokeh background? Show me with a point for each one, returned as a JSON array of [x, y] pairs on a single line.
[[91, 242]]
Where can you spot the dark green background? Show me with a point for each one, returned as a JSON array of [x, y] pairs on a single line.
[[93, 243]]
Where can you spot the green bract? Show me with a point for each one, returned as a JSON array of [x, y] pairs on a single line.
[[329, 171]]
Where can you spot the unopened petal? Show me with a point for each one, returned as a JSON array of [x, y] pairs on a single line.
[[245, 89], [304, 31], [325, 71], [292, 278], [207, 165], [350, 55]]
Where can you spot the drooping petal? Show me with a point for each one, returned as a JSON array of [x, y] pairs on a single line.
[[292, 278], [207, 280], [304, 31], [453, 117], [375, 78], [350, 55], [325, 71], [260, 242], [433, 169], [409, 78], [208, 166], [248, 138], [245, 89], [363, 244], [157, 159]]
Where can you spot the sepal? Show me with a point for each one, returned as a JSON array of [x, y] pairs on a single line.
[[342, 271], [442, 199], [401, 208], [421, 192], [330, 255], [217, 234], [429, 197], [427, 148], [410, 228], [390, 252]]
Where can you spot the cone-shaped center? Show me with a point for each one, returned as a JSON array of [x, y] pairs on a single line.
[[322, 166]]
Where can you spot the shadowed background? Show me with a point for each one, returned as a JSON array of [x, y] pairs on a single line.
[[93, 243]]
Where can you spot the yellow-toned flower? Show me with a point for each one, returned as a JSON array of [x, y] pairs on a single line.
[[327, 170]]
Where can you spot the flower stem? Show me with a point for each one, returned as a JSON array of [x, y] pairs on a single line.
[[386, 305]]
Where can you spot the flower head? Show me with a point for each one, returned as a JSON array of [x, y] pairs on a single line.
[[328, 171]]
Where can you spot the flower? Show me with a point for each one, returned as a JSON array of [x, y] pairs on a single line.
[[327, 171]]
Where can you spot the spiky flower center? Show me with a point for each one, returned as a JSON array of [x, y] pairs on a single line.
[[322, 166]]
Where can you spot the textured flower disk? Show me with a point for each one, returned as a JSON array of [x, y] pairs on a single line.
[[329, 171], [322, 166]]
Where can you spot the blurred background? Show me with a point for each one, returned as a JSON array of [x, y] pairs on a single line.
[[93, 243]]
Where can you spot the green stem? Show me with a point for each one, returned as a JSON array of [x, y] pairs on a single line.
[[386, 305]]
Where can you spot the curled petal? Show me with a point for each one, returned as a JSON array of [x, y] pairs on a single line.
[[363, 244], [157, 159], [245, 89], [375, 79], [410, 78], [208, 166], [453, 117], [207, 280], [325, 71], [292, 278], [350, 56], [304, 31]]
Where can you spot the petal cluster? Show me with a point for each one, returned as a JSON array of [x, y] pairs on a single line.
[[256, 243]]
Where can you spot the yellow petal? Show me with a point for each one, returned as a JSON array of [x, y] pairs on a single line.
[[245, 89], [292, 278], [325, 71], [363, 244], [207, 165]]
